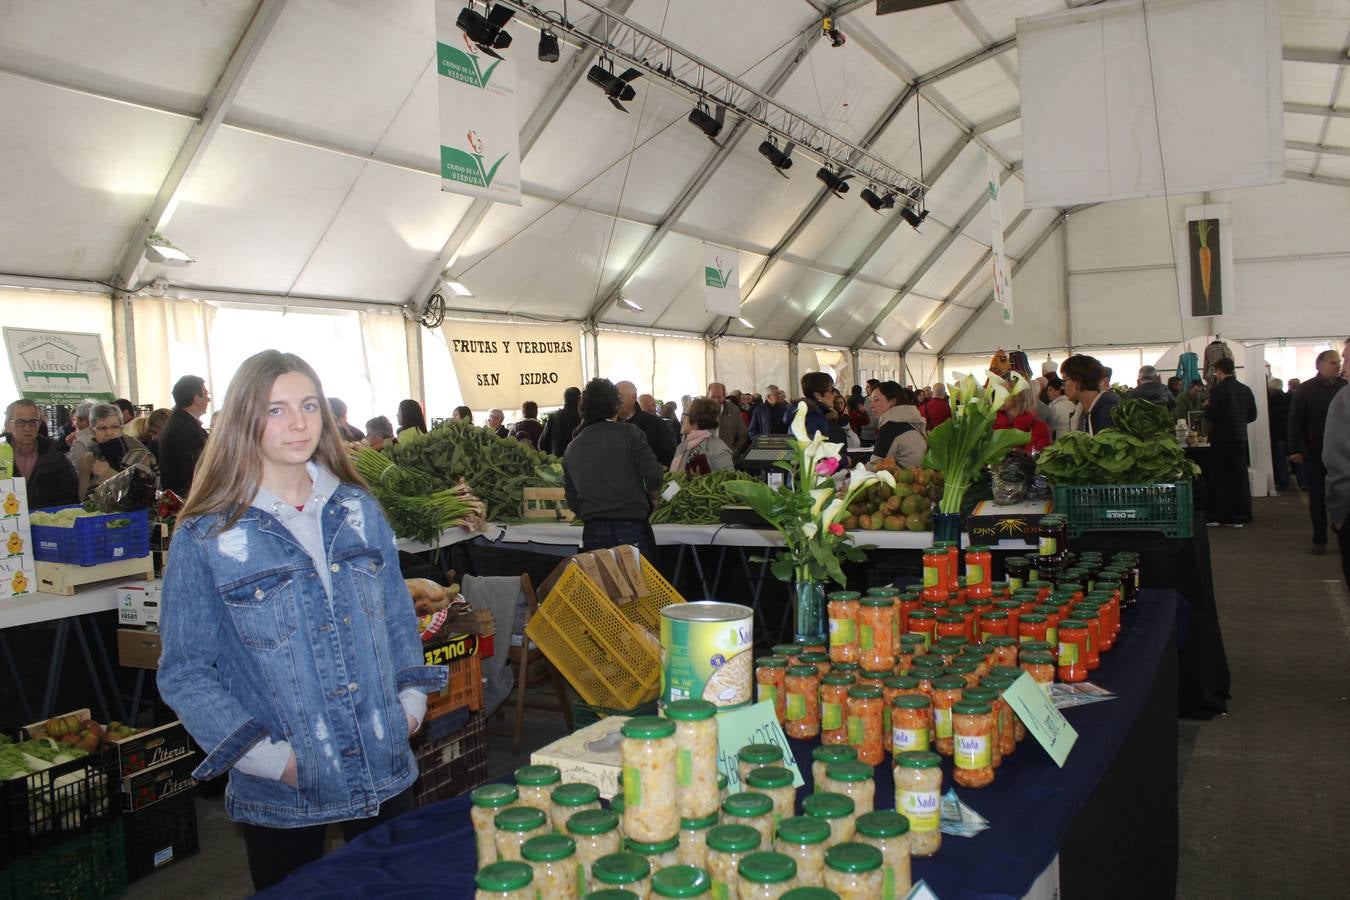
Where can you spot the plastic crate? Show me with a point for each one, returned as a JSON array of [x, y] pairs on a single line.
[[464, 690], [584, 713], [94, 539], [436, 726], [1168, 508], [160, 833], [90, 867], [610, 654], [37, 813], [453, 765]]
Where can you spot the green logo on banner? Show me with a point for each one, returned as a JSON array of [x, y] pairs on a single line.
[[467, 168], [455, 63], [716, 276]]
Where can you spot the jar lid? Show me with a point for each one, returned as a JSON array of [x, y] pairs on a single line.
[[921, 614], [767, 867], [934, 549], [950, 682], [769, 777], [827, 805], [946, 545], [837, 678], [1039, 585], [1084, 612], [842, 595], [882, 823], [846, 667], [548, 848], [1016, 561], [875, 602], [910, 640], [1033, 618], [624, 867], [803, 830], [849, 771], [999, 585], [690, 710], [1007, 604], [853, 857], [833, 753], [971, 708], [962, 609], [902, 682], [500, 877], [998, 683], [722, 781], [963, 666], [1071, 586], [977, 549], [520, 818], [814, 658], [997, 615], [930, 660], [616, 802], [918, 759], [800, 671], [760, 754], [652, 848], [886, 590], [865, 692], [700, 822], [1048, 609], [593, 821], [771, 662], [747, 804], [681, 881], [981, 648], [575, 793], [956, 641], [494, 795], [979, 694], [1001, 640], [648, 727], [1007, 671], [733, 838], [1071, 624], [535, 776], [911, 701], [1037, 658], [786, 650], [612, 894], [1034, 647], [951, 619]]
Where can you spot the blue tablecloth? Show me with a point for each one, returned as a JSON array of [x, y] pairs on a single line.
[[1029, 806]]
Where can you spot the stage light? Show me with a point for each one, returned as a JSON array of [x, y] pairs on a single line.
[[745, 322], [876, 201], [781, 160], [706, 122], [158, 249], [823, 332], [548, 46], [486, 31], [914, 218], [838, 184], [616, 87]]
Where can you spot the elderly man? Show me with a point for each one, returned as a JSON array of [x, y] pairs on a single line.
[[770, 417], [495, 422], [731, 427], [1149, 387], [648, 405], [49, 477], [182, 440], [1307, 424], [653, 429], [380, 433]]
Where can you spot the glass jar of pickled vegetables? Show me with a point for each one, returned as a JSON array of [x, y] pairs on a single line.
[[847, 669], [553, 858], [505, 881], [682, 881], [815, 658], [766, 875], [694, 840], [855, 781], [871, 679], [624, 869], [535, 784], [853, 871], [770, 675], [1040, 666], [596, 834], [753, 756], [979, 572], [727, 846], [843, 612], [888, 831], [946, 692], [953, 563], [803, 702], [993, 624], [752, 809], [966, 612], [696, 756], [516, 825], [911, 645], [1027, 599], [973, 727], [865, 717], [1071, 661], [659, 854], [1108, 602], [1014, 610], [790, 652], [824, 756], [950, 624], [775, 782], [1015, 569], [890, 689], [804, 839], [1010, 727], [487, 801], [835, 810], [1005, 650], [936, 573], [986, 694], [569, 799], [1089, 613], [1052, 617], [650, 790], [911, 723], [833, 700], [969, 667], [918, 797], [922, 622], [1031, 627], [877, 633]]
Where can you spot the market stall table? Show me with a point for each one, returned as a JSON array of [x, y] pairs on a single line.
[[1110, 815]]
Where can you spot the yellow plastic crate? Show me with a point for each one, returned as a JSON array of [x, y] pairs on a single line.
[[610, 654]]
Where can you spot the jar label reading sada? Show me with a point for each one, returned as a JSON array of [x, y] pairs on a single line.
[[831, 716], [842, 632], [907, 739], [921, 808], [972, 751]]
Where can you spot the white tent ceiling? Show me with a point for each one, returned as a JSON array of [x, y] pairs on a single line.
[[309, 133]]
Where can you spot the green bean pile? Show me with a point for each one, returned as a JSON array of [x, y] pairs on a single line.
[[700, 499]]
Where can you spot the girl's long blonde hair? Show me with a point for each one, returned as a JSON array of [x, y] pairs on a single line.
[[229, 472]]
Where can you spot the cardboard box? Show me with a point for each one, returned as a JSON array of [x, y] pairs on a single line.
[[149, 786], [138, 648], [989, 524], [17, 573], [590, 755], [138, 603], [151, 747]]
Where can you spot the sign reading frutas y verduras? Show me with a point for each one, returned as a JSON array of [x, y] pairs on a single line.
[[58, 366], [505, 365], [480, 140]]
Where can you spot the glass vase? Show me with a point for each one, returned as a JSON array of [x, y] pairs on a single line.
[[808, 612], [947, 527]]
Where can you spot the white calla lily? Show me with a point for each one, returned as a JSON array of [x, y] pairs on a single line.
[[810, 530], [798, 427], [821, 496], [833, 512]]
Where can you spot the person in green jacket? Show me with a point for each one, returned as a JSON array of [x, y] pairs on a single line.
[[1190, 400]]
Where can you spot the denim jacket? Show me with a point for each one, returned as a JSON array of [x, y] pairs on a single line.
[[253, 648]]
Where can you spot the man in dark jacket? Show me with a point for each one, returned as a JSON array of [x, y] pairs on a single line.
[[47, 473], [768, 417], [731, 427], [1230, 409], [1307, 421], [1277, 408], [528, 430], [182, 440], [560, 427], [652, 428], [1150, 387]]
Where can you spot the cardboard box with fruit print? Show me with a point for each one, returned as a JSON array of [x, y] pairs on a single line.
[[17, 577]]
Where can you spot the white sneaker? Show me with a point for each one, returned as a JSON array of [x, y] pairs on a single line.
[[1212, 524], [1232, 524]]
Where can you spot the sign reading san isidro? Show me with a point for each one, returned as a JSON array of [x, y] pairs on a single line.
[[58, 366], [505, 365]]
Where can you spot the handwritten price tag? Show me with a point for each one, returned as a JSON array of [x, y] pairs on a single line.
[[754, 724], [1046, 723]]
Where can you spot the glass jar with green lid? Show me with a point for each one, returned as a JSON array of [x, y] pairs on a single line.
[[569, 799], [969, 667], [727, 846], [850, 668], [918, 797], [505, 881], [836, 810], [487, 801], [1015, 569], [682, 881], [694, 840], [771, 683], [911, 723], [515, 826], [804, 839], [985, 694], [853, 871], [1005, 651], [752, 809], [623, 870], [888, 831], [815, 658], [911, 647], [553, 858], [791, 651], [833, 701], [765, 875], [596, 834], [695, 756], [973, 748], [612, 894], [775, 782], [1010, 727], [535, 783], [854, 780], [824, 755], [650, 793], [810, 893], [659, 853], [752, 756]]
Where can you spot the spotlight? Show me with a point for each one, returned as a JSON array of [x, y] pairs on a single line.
[[823, 332], [616, 87], [457, 288], [486, 31], [158, 249], [746, 322], [779, 159], [548, 46], [708, 123], [838, 184], [915, 219], [876, 336], [877, 202], [827, 29], [924, 344], [629, 303]]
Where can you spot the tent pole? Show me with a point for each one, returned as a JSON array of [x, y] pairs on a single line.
[[1064, 261]]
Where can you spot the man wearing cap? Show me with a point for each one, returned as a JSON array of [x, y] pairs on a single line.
[[1151, 388]]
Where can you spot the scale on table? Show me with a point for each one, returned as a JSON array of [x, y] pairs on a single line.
[[766, 450]]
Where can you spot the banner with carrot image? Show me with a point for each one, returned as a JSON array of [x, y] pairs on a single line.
[[1206, 280]]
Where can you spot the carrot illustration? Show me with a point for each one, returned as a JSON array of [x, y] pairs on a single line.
[[1206, 258]]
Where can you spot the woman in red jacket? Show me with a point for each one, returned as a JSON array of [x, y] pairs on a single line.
[[1020, 412]]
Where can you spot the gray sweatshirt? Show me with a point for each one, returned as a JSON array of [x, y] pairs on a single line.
[[1336, 457], [608, 472]]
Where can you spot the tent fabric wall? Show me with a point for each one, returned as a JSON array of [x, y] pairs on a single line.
[[664, 366], [879, 365], [384, 346], [87, 313], [752, 365], [172, 339]]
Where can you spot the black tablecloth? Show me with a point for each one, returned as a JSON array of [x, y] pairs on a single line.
[[1118, 844]]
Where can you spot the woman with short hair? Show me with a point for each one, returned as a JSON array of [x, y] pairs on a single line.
[[700, 450], [111, 452]]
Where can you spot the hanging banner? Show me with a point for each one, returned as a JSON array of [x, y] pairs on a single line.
[[721, 280], [502, 366], [1002, 274], [58, 366], [480, 138], [1205, 260]]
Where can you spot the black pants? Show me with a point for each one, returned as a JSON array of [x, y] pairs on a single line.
[[1230, 492], [1344, 537], [274, 853], [605, 533], [1317, 496]]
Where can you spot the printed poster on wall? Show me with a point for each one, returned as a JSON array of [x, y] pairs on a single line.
[[1002, 275], [480, 137], [1205, 260], [62, 367], [721, 280], [504, 365]]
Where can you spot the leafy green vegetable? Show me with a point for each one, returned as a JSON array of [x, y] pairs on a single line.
[[1115, 457], [1142, 419], [700, 499]]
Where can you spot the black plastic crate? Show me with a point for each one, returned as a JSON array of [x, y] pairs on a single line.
[[160, 834], [60, 803], [92, 866], [452, 765]]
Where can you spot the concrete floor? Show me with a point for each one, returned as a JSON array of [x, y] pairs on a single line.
[[1264, 790]]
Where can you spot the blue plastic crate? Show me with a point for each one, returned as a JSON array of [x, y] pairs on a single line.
[[94, 539]]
